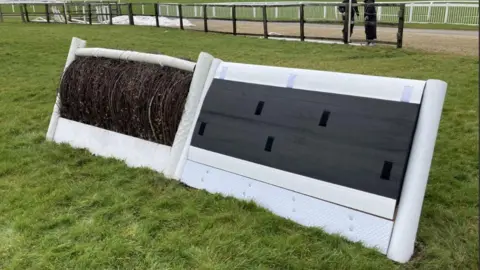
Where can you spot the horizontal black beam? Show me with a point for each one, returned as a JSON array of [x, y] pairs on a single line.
[[218, 32], [250, 34]]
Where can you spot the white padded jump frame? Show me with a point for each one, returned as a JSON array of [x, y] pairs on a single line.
[[134, 151], [385, 224], [330, 207], [156, 59]]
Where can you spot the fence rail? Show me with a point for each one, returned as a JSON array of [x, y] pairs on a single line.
[[420, 12], [231, 17]]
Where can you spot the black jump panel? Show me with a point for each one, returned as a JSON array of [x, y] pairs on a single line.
[[357, 142]]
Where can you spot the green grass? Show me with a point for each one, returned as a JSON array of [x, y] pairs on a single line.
[[63, 208]]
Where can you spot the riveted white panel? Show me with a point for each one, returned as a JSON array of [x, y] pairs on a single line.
[[133, 151], [352, 198], [356, 226]]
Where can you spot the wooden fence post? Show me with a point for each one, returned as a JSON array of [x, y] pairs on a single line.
[[401, 24], [119, 9], [47, 13], [27, 18], [234, 19], [302, 22], [69, 12], [345, 24], [205, 18], [89, 13], [155, 8], [65, 13], [110, 14], [130, 14], [180, 16], [265, 27], [22, 14]]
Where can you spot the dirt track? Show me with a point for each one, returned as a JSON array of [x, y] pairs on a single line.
[[446, 41]]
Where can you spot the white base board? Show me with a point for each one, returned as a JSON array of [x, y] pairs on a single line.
[[356, 226], [348, 197], [134, 151]]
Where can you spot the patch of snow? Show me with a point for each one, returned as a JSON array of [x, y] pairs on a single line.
[[150, 21], [314, 40]]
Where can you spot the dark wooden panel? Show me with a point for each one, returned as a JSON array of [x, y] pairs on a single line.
[[302, 110], [346, 140]]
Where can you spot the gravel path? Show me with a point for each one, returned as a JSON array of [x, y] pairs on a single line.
[[444, 41]]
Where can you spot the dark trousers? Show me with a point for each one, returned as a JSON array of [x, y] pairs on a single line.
[[370, 28], [352, 24]]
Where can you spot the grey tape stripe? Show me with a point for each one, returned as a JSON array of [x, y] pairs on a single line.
[[291, 80], [223, 73], [407, 93]]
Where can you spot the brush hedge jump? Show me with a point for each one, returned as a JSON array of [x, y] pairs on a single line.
[[346, 152]]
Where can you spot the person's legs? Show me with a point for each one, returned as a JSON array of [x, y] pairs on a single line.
[[370, 29], [373, 30], [367, 32], [344, 30]]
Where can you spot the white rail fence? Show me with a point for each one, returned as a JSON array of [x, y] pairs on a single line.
[[433, 12], [421, 12]]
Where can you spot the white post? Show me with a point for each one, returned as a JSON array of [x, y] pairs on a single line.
[[475, 18], [379, 14], [143, 9], [254, 12], [203, 74], [84, 14], [178, 11], [13, 8], [74, 45], [276, 12], [159, 10], [324, 12], [409, 209], [446, 14], [214, 12], [411, 13], [349, 19], [429, 11], [168, 10], [33, 6], [106, 17], [65, 12], [195, 11]]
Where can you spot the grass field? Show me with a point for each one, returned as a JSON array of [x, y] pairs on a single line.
[[62, 208]]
